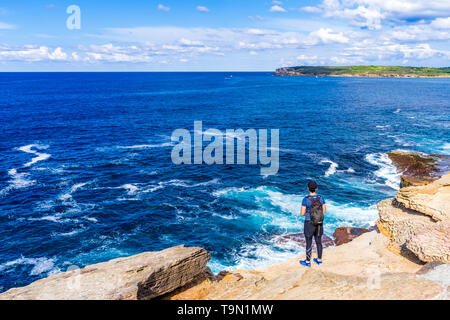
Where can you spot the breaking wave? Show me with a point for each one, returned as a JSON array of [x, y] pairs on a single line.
[[387, 172]]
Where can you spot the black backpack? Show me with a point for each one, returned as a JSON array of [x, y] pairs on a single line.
[[316, 211]]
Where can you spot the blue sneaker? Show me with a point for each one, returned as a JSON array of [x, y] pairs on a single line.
[[319, 262], [305, 263]]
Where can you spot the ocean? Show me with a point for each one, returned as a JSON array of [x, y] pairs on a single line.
[[86, 173]]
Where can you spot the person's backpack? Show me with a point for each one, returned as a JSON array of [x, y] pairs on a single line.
[[316, 211]]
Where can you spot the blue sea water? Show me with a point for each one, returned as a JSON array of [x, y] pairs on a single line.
[[86, 173]]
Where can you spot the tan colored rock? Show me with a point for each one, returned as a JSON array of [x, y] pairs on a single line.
[[439, 273], [432, 243], [143, 276], [360, 269], [400, 224], [362, 256], [432, 199], [318, 285]]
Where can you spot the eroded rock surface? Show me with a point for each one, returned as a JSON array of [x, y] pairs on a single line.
[[411, 220], [432, 243], [143, 276], [400, 224], [360, 269], [432, 199]]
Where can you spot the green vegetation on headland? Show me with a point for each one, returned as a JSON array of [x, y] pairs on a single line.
[[364, 71]]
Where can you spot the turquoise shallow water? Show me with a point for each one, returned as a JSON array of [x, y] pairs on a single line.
[[86, 174]]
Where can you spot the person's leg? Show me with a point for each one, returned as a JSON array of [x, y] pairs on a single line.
[[309, 232], [318, 238], [318, 246], [308, 248]]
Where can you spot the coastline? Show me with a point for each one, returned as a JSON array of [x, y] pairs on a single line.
[[400, 259], [363, 76], [363, 71]]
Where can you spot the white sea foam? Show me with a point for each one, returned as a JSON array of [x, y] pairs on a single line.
[[397, 111], [18, 181], [147, 146], [55, 219], [387, 171], [401, 141], [40, 265], [446, 146], [131, 189], [68, 195], [224, 216], [274, 208], [230, 135], [52, 170], [282, 210], [67, 234], [257, 255], [332, 169], [39, 156], [179, 183]]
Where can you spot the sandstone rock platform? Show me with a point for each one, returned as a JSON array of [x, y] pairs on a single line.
[[143, 276]]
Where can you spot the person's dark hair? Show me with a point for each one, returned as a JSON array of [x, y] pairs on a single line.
[[312, 186]]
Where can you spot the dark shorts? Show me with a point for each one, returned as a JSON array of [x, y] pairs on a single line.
[[312, 230]]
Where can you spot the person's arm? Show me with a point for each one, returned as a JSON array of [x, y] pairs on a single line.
[[324, 206], [303, 210]]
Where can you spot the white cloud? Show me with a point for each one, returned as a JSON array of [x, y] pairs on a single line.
[[113, 53], [306, 59], [163, 7], [75, 56], [6, 26], [326, 35], [340, 60], [311, 9], [371, 13], [31, 53], [395, 51], [202, 9], [441, 23], [364, 17], [277, 9], [258, 45], [58, 54], [415, 33], [258, 32], [187, 42]]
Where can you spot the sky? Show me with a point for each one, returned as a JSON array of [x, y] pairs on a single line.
[[221, 35]]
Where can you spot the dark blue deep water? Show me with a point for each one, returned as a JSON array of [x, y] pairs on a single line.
[[86, 173]]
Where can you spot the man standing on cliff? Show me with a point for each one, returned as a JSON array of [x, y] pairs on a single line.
[[313, 209]]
